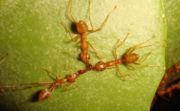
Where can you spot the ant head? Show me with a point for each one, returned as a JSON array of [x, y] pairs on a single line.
[[44, 94], [130, 58], [81, 27], [177, 67]]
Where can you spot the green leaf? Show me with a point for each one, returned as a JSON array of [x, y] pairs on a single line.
[[32, 36], [173, 32]]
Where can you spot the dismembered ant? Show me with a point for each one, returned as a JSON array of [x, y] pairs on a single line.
[[83, 30], [164, 88]]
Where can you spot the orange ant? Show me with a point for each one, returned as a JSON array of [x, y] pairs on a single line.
[[129, 57], [83, 30], [46, 93], [163, 87]]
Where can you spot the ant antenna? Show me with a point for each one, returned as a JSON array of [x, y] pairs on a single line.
[[70, 15]]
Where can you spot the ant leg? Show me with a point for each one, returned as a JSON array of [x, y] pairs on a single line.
[[121, 75], [130, 67], [139, 46], [104, 22], [3, 58], [70, 15], [6, 87], [118, 44], [144, 57], [95, 51], [69, 87], [67, 30], [75, 38], [22, 86], [49, 74]]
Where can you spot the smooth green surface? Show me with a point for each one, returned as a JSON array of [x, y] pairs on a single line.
[[34, 39], [173, 23]]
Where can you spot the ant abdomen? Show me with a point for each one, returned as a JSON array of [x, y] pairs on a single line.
[[44, 94]]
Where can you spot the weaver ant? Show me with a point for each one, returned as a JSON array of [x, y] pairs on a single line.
[[128, 58], [163, 86], [46, 93], [83, 30]]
